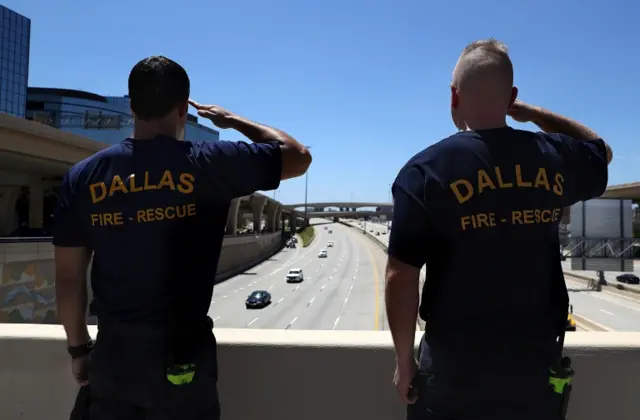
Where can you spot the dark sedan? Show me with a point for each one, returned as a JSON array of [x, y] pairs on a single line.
[[628, 278], [258, 299]]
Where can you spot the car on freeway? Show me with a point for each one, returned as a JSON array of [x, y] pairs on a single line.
[[628, 278], [571, 323], [322, 253], [258, 299], [330, 244], [295, 275]]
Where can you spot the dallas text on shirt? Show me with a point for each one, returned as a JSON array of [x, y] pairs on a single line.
[[466, 189], [100, 191]]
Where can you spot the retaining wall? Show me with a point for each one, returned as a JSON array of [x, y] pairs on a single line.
[[310, 375], [27, 275]]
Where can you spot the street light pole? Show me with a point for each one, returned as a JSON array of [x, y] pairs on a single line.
[[306, 190]]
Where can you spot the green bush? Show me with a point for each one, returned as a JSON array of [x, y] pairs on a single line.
[[307, 236]]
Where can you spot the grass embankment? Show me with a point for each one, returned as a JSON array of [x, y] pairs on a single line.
[[307, 235]]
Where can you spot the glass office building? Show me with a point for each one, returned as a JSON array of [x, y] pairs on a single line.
[[106, 119], [15, 31]]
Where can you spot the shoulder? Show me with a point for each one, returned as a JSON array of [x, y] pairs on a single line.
[[83, 169], [432, 162]]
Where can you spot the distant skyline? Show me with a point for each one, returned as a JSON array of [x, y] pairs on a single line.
[[365, 83]]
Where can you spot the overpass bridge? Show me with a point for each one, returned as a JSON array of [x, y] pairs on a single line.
[[345, 209]]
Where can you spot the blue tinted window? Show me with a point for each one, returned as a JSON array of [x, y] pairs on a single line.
[[14, 53]]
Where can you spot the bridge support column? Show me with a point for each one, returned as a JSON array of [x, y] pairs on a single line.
[[272, 210], [8, 199], [36, 204], [257, 207], [278, 219], [292, 223], [232, 217]]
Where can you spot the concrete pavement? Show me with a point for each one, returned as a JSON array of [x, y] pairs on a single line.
[[344, 291]]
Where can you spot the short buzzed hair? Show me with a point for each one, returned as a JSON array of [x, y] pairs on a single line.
[[481, 59]]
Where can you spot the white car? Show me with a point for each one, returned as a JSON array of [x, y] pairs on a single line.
[[330, 244], [295, 275], [322, 253]]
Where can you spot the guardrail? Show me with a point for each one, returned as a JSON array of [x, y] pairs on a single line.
[[310, 375]]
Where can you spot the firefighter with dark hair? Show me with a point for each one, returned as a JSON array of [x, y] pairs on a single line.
[[150, 212]]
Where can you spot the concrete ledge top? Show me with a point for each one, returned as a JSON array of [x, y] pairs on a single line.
[[314, 338]]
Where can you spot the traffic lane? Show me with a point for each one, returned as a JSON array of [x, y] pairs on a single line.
[[256, 274], [610, 276], [289, 300], [363, 303], [322, 305], [229, 310], [604, 309]]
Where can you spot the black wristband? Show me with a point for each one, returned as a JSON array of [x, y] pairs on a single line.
[[80, 351]]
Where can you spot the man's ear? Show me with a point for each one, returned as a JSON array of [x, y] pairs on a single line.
[[514, 96], [455, 99]]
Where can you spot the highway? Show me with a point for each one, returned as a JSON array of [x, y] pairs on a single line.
[[344, 291], [606, 310]]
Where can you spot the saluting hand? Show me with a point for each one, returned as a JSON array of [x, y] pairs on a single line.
[[522, 112], [218, 115]]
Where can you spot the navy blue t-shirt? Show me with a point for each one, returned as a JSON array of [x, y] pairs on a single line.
[[481, 210], [154, 213]]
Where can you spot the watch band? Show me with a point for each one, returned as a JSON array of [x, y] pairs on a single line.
[[80, 351]]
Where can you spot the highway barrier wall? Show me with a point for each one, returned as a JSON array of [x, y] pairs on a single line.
[[311, 375], [367, 234], [27, 274], [611, 285]]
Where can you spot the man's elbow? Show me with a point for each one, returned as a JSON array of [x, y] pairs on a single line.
[[295, 163]]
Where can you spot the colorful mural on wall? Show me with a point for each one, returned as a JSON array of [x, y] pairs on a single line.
[[27, 291]]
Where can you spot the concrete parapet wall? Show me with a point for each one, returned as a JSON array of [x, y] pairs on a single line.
[[27, 274], [240, 253], [311, 375]]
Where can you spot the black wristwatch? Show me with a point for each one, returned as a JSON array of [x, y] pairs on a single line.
[[80, 351]]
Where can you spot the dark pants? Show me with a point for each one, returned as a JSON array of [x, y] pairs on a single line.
[[128, 377], [506, 395]]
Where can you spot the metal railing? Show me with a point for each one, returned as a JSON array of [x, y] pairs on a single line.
[[86, 120]]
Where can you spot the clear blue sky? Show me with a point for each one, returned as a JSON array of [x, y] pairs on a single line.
[[364, 82]]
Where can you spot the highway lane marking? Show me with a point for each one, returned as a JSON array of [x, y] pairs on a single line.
[[376, 284], [579, 322], [271, 287], [311, 301], [606, 312], [346, 299], [335, 324], [291, 323], [610, 297], [289, 263], [216, 318], [252, 321]]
